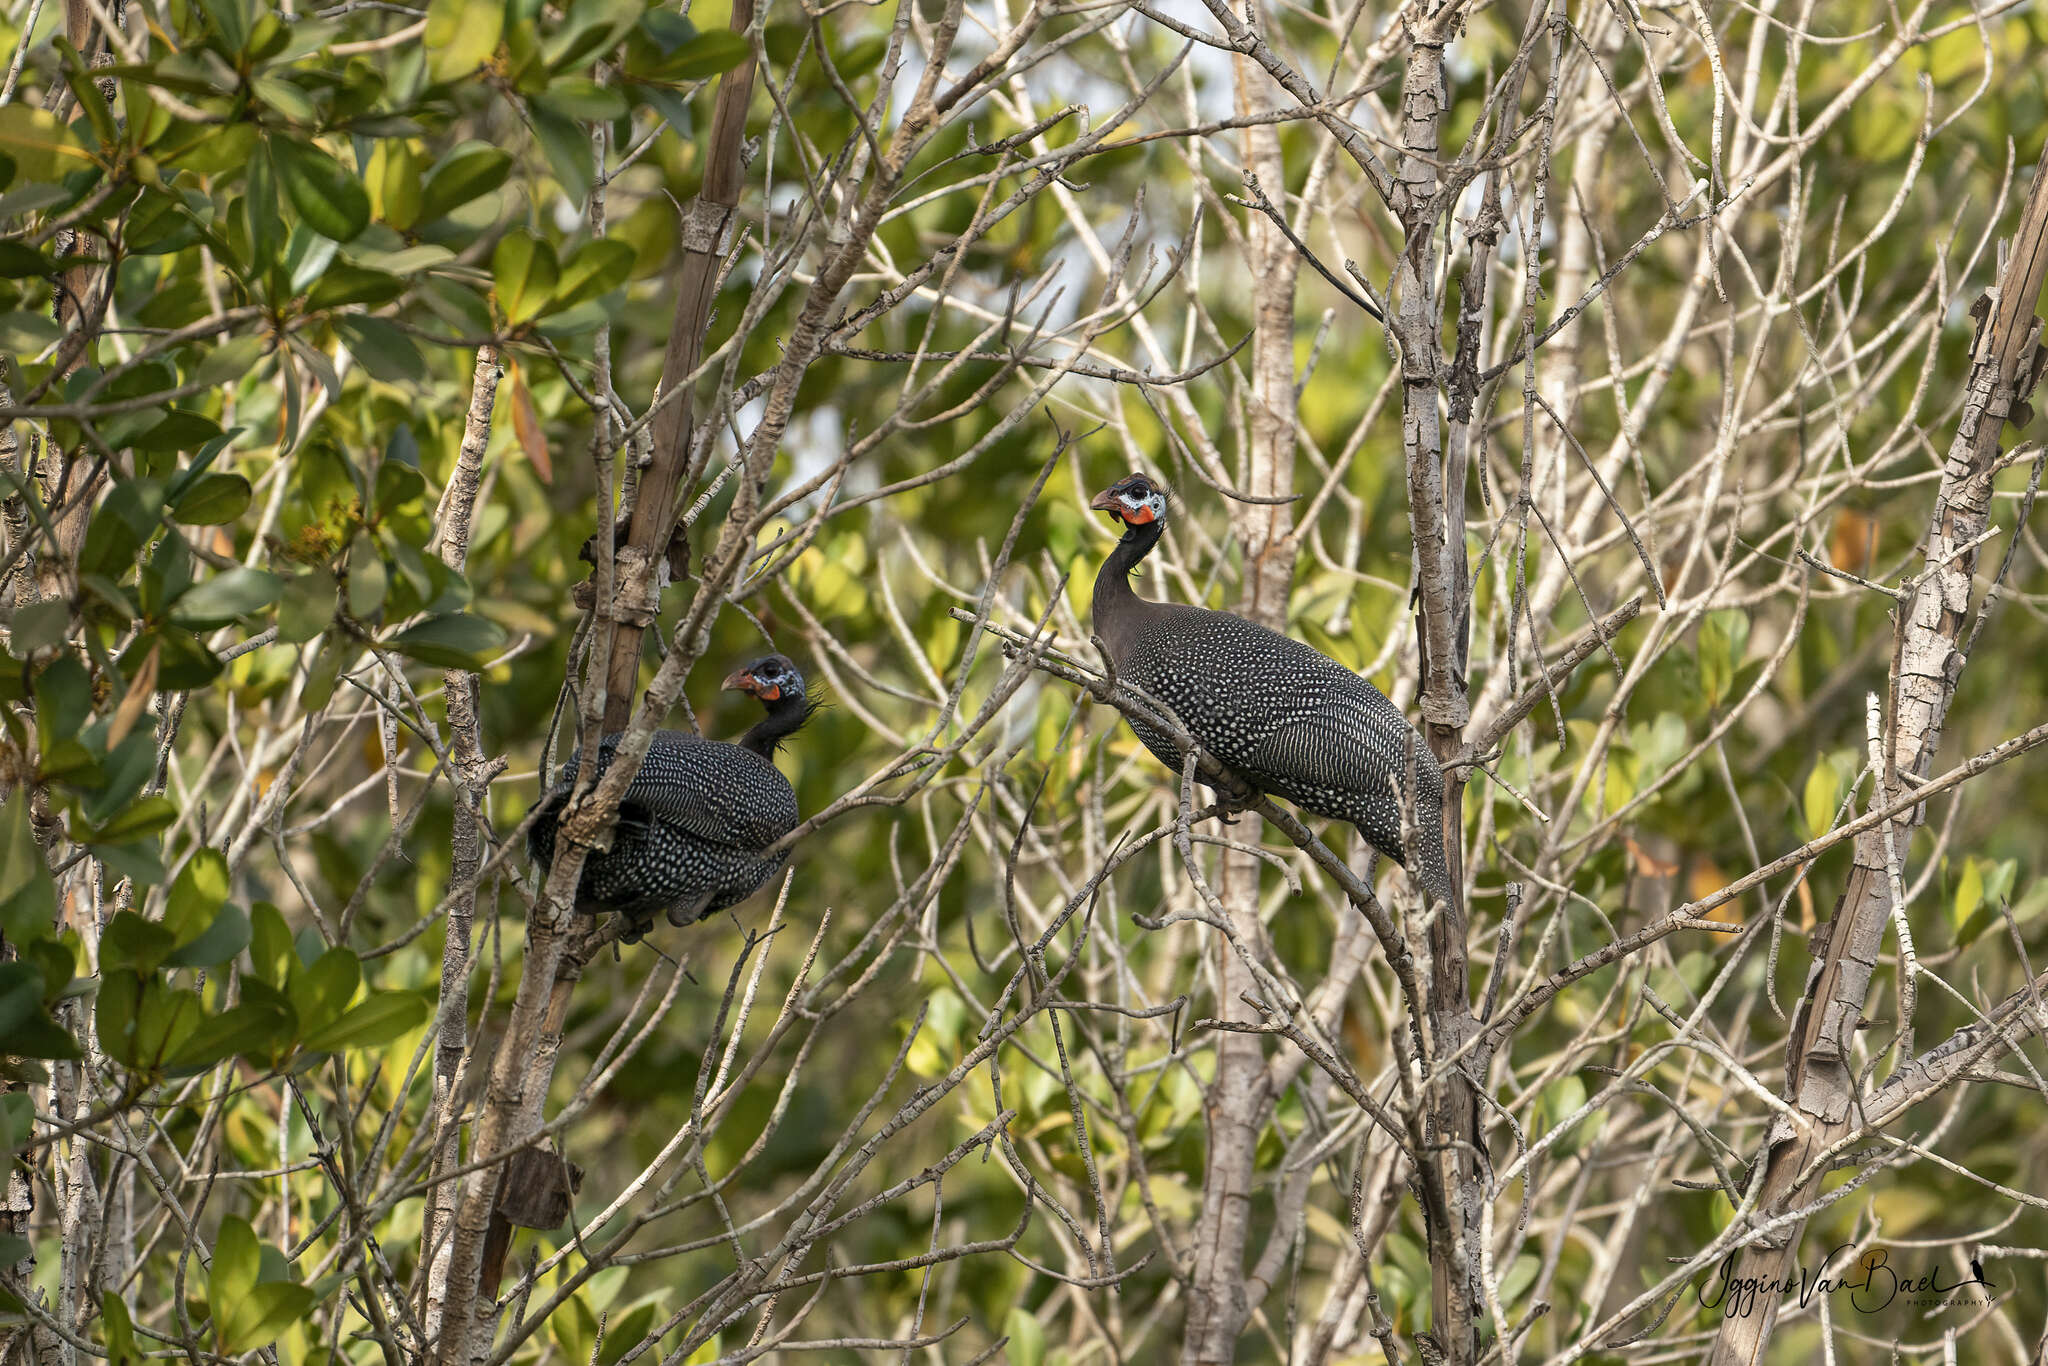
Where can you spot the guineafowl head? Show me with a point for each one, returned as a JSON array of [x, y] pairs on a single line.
[[1135, 500], [772, 678]]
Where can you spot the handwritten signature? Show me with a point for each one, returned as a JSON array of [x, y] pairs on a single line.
[[1869, 1287]]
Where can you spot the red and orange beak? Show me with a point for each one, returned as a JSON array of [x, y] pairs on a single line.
[[744, 681], [1108, 501]]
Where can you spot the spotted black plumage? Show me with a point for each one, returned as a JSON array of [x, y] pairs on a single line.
[[1281, 714], [695, 824]]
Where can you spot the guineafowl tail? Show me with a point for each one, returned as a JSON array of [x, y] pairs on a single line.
[[1428, 863]]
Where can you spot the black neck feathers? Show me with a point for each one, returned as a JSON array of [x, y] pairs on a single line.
[[1113, 595], [786, 716]]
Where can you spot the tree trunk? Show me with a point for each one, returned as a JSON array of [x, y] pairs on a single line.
[[1240, 1099], [1436, 525], [1821, 1077]]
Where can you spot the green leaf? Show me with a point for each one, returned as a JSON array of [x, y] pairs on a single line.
[[308, 606], [593, 26], [584, 100], [566, 146], [368, 579], [129, 517], [270, 943], [232, 19], [455, 640], [132, 941], [374, 1021], [226, 597], [1026, 1335], [397, 485], [212, 500], [384, 351], [27, 334], [28, 898], [141, 1020], [185, 663], [227, 936], [118, 1330], [1723, 636], [200, 891], [145, 817], [345, 284], [707, 54], [38, 626], [230, 362], [268, 1310], [237, 1261], [321, 990], [307, 256], [461, 36], [283, 96], [624, 1332], [523, 267], [469, 171], [323, 671], [254, 1029], [394, 179], [26, 1024], [18, 260], [180, 429], [40, 144], [259, 204], [329, 197], [1824, 791], [124, 773], [596, 269]]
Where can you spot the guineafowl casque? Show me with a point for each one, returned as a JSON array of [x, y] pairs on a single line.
[[697, 821], [1282, 715]]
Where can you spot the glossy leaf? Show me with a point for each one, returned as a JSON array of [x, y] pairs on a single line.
[[469, 171], [596, 268], [227, 596], [461, 35], [329, 197], [456, 640], [39, 144], [376, 1020], [212, 500], [523, 268]]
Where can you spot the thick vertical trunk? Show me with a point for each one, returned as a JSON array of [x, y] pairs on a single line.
[[1240, 1099], [472, 777], [1436, 526], [1821, 1077], [645, 560]]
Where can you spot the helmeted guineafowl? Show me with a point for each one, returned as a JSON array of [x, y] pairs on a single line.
[[1282, 715], [695, 825]]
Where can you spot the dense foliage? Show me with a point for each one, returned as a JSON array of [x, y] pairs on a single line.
[[267, 269]]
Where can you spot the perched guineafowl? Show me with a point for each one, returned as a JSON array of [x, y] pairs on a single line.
[[696, 824], [1282, 715]]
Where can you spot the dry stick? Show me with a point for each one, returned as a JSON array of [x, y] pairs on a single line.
[[525, 1058], [1436, 523], [1820, 1075], [639, 577], [472, 775], [1240, 1098]]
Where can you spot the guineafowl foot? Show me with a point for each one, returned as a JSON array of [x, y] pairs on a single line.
[[689, 912]]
